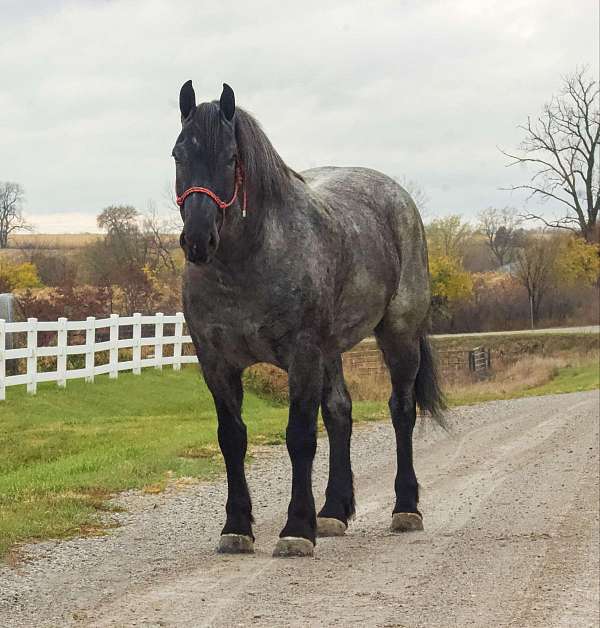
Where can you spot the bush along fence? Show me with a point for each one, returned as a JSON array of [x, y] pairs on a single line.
[[38, 351]]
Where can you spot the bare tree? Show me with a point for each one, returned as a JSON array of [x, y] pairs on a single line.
[[501, 230], [138, 255], [534, 269], [563, 145], [417, 193], [170, 198], [117, 219], [161, 233], [11, 212]]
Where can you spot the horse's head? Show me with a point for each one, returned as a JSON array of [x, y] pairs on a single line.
[[207, 172]]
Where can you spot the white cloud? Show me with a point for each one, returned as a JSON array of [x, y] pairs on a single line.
[[88, 100]]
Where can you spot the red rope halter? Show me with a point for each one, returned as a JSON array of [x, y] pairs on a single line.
[[239, 182]]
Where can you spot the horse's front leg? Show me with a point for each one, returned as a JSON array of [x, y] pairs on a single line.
[[305, 384], [225, 384]]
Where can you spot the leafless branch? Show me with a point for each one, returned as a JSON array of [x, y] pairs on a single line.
[[11, 211], [563, 147]]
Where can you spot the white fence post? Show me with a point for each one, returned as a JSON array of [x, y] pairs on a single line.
[[177, 342], [137, 346], [90, 341], [32, 356], [113, 352], [158, 336], [61, 353], [2, 360]]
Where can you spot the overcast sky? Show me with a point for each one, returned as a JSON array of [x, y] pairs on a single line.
[[420, 89]]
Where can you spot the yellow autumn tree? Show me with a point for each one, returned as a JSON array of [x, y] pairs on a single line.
[[578, 261], [448, 236], [450, 282], [15, 276]]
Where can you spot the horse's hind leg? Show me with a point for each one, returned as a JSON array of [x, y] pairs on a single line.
[[402, 355], [336, 407]]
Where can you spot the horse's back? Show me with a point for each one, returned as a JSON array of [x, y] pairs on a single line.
[[336, 183], [371, 199], [382, 233]]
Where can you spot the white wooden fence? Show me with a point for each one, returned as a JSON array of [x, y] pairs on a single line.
[[154, 356]]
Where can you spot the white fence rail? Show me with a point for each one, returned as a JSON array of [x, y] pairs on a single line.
[[88, 331]]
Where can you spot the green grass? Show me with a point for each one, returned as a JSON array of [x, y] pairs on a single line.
[[567, 380], [63, 452]]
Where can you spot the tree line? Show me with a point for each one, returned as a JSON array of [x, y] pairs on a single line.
[[496, 275], [493, 274]]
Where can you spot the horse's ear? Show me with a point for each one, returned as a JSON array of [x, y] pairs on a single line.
[[187, 100], [227, 103]]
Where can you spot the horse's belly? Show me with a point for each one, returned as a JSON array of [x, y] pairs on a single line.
[[358, 313]]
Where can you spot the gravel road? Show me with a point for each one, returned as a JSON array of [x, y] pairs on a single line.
[[510, 503]]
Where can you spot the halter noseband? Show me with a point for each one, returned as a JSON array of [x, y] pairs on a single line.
[[221, 204]]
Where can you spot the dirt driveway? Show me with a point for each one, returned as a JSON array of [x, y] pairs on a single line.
[[511, 511]]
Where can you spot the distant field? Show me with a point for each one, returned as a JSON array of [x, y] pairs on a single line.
[[52, 240]]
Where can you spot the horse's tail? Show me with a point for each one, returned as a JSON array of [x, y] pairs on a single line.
[[428, 391]]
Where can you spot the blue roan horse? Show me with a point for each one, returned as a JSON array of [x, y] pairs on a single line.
[[293, 269]]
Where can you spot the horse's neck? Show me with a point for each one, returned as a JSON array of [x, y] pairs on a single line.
[[263, 228]]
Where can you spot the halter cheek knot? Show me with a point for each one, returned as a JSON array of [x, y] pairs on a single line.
[[221, 204]]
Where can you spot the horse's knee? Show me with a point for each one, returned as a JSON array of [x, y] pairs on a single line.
[[337, 408], [232, 436]]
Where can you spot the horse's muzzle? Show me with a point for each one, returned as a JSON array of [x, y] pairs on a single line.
[[200, 250]]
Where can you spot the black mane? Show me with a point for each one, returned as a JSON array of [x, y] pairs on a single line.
[[267, 177]]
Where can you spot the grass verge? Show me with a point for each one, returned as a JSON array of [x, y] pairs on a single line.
[[531, 377]]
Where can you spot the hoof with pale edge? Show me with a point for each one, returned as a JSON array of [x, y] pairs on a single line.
[[328, 526], [289, 546], [235, 544], [406, 522]]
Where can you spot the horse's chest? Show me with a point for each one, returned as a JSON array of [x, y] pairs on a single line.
[[244, 325]]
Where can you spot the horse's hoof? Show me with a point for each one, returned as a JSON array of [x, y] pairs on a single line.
[[290, 546], [328, 526], [235, 544], [406, 522]]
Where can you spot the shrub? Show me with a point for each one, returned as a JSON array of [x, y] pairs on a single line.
[[16, 276]]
